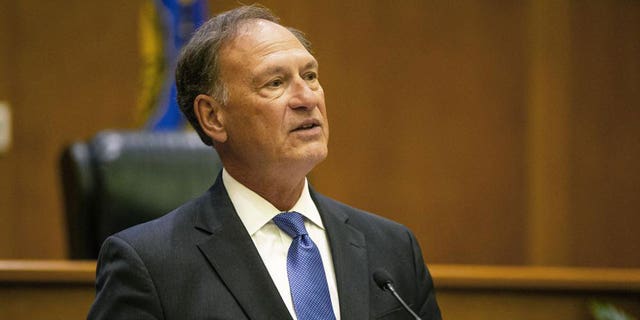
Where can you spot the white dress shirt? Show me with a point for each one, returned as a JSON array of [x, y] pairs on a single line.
[[273, 244]]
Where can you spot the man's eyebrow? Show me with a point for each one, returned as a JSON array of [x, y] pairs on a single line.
[[264, 74], [311, 64]]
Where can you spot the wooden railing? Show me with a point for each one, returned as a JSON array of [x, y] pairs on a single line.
[[65, 290], [535, 278]]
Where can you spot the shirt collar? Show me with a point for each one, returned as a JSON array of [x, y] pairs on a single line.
[[254, 211]]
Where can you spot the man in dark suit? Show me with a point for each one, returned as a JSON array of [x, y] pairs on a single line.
[[260, 243]]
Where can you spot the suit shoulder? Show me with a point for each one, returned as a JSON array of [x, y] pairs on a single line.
[[357, 216]]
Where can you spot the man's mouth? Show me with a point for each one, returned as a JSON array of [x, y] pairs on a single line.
[[306, 126]]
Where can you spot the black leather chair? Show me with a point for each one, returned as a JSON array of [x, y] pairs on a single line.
[[119, 179]]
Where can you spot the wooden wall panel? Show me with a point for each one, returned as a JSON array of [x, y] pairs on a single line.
[[5, 39], [73, 72], [501, 133], [605, 133], [548, 122], [6, 174]]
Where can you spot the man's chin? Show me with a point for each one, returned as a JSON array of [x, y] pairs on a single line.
[[310, 156], [318, 153]]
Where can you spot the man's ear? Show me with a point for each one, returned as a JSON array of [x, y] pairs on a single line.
[[209, 113]]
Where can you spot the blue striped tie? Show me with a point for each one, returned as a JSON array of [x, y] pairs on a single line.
[[307, 280]]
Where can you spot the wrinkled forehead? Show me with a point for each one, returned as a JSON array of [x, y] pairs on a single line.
[[262, 37], [255, 44]]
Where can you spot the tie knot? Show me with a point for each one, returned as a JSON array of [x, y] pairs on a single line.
[[291, 222]]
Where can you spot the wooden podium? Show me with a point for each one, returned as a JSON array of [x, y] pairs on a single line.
[[65, 290]]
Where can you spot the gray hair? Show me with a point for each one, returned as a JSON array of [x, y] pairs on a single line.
[[197, 70]]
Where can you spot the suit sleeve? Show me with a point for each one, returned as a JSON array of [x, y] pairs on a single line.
[[124, 288], [426, 304]]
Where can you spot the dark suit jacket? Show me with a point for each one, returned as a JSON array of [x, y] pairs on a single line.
[[198, 262]]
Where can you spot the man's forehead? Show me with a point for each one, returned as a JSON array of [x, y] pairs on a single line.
[[253, 26], [260, 37]]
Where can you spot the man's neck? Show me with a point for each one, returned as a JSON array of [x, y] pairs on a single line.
[[281, 192]]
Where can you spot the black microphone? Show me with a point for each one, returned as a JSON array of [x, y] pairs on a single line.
[[383, 280]]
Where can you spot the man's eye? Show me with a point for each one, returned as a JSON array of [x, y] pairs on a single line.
[[275, 83], [311, 76]]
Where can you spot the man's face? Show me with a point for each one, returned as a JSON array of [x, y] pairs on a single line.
[[275, 114]]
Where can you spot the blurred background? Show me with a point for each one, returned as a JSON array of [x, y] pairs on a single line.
[[500, 132]]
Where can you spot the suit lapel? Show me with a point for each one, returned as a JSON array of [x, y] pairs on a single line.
[[231, 252], [348, 249]]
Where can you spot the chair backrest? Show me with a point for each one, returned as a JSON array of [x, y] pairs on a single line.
[[119, 179]]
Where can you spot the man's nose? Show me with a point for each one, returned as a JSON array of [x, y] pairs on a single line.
[[303, 96]]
